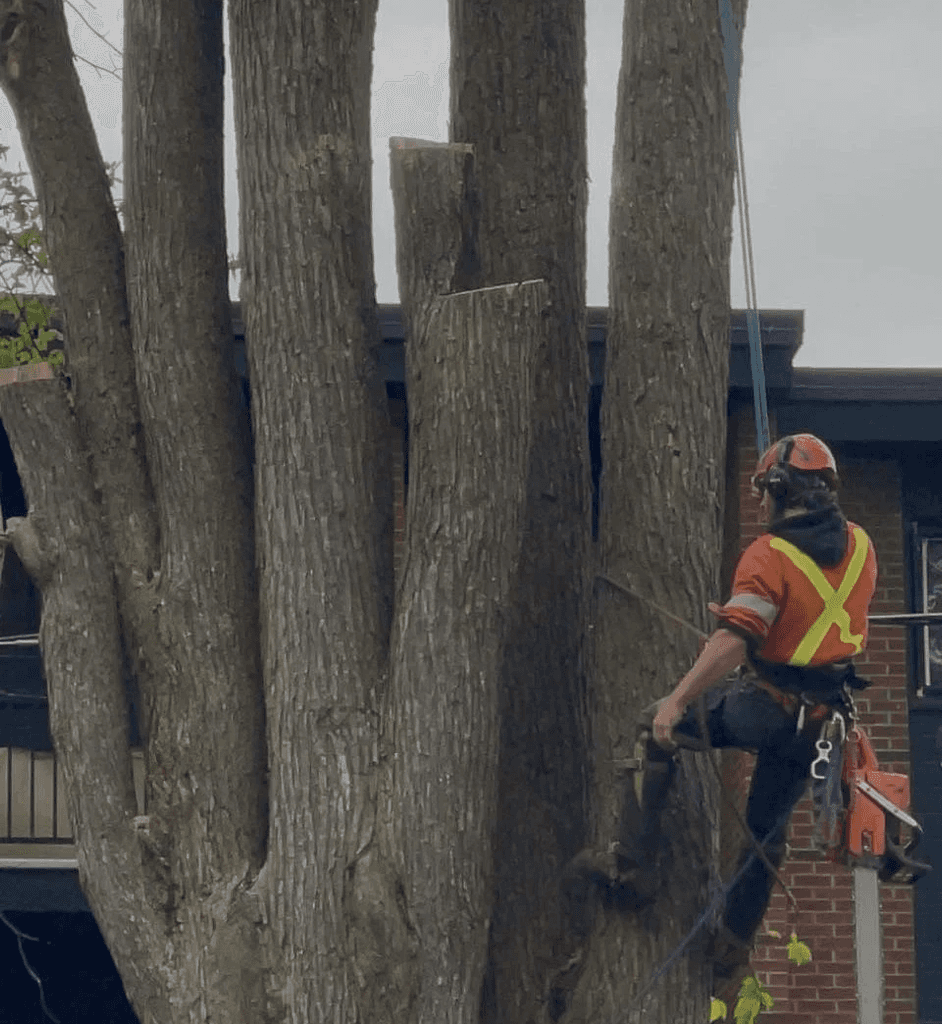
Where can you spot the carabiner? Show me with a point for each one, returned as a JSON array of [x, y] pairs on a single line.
[[838, 719], [824, 757]]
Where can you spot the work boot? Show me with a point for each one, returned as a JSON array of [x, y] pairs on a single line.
[[627, 868], [601, 865], [615, 875]]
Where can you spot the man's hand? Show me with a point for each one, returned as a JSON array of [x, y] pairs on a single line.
[[669, 713]]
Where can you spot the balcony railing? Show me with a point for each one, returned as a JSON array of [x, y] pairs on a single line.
[[32, 798], [34, 820]]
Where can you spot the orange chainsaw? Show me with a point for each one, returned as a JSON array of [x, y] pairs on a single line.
[[876, 810]]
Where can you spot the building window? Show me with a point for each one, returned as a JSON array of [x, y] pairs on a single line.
[[930, 584]]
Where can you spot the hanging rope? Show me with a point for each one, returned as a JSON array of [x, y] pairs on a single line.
[[732, 60], [760, 402]]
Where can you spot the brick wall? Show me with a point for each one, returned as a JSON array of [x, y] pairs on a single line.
[[825, 991]]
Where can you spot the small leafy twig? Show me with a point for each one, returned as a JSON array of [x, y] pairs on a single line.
[[753, 996], [32, 341]]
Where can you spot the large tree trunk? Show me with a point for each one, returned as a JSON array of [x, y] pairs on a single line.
[[470, 406], [518, 95], [209, 820], [663, 438], [401, 855], [323, 507]]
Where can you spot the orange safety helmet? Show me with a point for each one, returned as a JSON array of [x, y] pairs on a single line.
[[800, 451]]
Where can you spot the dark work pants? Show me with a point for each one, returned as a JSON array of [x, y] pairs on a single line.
[[746, 717]]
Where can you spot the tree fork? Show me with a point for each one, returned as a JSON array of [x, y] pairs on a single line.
[[83, 239], [205, 745]]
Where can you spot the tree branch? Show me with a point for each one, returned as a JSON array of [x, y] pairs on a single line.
[[62, 540], [323, 497], [83, 239], [208, 740], [94, 30], [435, 204], [470, 411]]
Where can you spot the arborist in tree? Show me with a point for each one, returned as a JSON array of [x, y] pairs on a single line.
[[796, 617]]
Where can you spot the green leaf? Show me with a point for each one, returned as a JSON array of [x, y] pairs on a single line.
[[56, 358], [37, 314], [43, 339], [717, 1010], [798, 952], [747, 1010], [9, 305], [754, 997], [28, 238], [7, 358]]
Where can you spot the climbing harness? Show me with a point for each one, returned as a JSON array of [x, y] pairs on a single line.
[[849, 801]]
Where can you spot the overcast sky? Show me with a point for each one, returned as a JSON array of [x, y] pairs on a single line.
[[841, 111]]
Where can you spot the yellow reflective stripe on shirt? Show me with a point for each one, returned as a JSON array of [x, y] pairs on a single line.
[[834, 612]]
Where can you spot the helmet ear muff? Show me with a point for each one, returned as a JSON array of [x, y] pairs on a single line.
[[777, 482]]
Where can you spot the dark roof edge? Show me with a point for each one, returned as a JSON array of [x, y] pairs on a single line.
[[891, 384]]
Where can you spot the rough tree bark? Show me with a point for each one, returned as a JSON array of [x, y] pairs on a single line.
[[473, 353], [301, 75], [426, 771], [518, 95], [663, 447], [63, 547], [172, 475], [470, 392]]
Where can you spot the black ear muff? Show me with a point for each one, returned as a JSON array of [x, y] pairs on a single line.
[[777, 482]]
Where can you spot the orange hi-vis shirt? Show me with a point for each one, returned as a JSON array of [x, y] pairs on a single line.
[[800, 612]]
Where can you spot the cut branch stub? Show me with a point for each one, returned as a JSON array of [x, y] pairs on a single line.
[[470, 403], [436, 218]]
